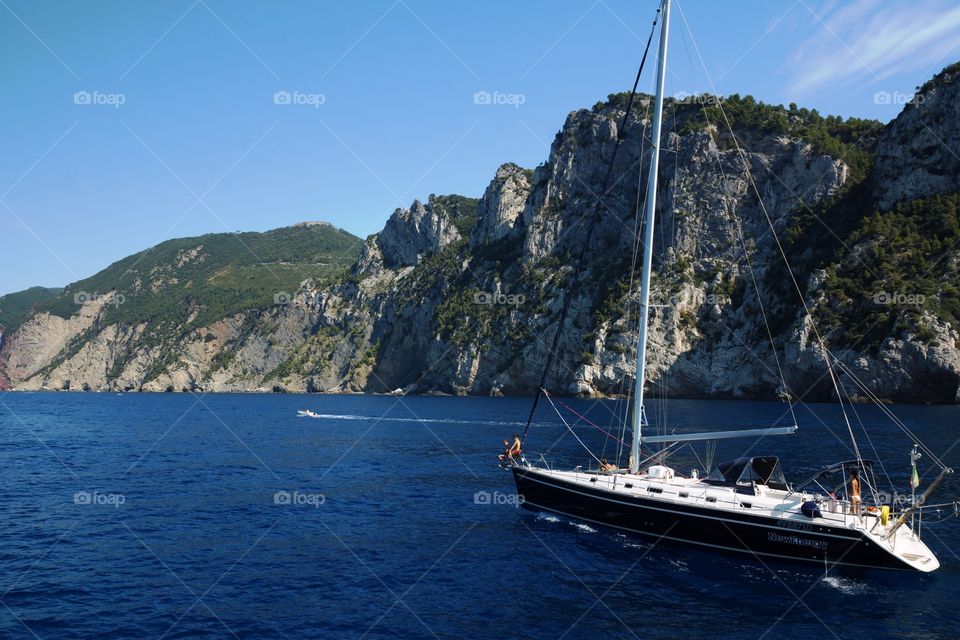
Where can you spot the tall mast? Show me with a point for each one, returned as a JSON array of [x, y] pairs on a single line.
[[650, 207]]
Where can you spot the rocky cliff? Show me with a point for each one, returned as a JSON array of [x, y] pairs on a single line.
[[463, 296], [917, 156]]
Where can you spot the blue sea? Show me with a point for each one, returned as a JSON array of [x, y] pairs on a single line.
[[227, 516]]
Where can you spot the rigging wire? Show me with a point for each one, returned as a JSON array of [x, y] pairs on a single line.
[[593, 223], [569, 428], [710, 454], [892, 416], [697, 456], [587, 421], [876, 454], [660, 455], [756, 287], [640, 216], [776, 238], [638, 220], [661, 391]]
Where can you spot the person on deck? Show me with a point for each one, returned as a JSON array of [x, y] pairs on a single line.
[[854, 492], [607, 466], [515, 447], [506, 451]]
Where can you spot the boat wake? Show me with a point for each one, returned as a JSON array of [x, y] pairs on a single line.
[[359, 418], [549, 517]]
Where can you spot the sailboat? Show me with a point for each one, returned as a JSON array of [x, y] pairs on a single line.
[[745, 505]]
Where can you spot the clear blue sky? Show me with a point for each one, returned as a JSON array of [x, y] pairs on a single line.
[[199, 145]]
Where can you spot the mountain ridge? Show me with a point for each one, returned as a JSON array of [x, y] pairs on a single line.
[[456, 295]]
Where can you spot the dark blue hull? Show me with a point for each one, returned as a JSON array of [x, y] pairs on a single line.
[[743, 533]]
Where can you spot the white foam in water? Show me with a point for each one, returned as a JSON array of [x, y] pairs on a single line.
[[845, 586], [628, 542], [756, 574], [584, 527], [679, 564], [547, 517]]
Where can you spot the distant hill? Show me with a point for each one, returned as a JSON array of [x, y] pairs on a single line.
[[157, 298], [14, 307], [193, 281]]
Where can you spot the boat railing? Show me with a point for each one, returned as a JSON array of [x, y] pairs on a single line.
[[545, 463], [841, 511]]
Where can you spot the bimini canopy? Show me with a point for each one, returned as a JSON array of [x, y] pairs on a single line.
[[745, 472], [842, 468]]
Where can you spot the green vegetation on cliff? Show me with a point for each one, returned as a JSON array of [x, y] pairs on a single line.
[[15, 307], [461, 210], [191, 282], [946, 76], [851, 140], [896, 266]]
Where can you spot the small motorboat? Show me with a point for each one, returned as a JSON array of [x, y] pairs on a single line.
[[306, 413]]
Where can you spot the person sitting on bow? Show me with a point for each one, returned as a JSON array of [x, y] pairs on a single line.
[[506, 452], [515, 448]]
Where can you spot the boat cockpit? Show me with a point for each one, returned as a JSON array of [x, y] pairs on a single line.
[[747, 473]]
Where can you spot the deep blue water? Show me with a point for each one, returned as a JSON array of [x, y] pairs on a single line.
[[148, 516]]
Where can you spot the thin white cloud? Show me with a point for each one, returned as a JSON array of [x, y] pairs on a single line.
[[870, 40]]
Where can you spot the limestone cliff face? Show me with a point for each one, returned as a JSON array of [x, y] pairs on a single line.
[[502, 204], [4, 380], [37, 343], [414, 233], [460, 297], [918, 154]]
